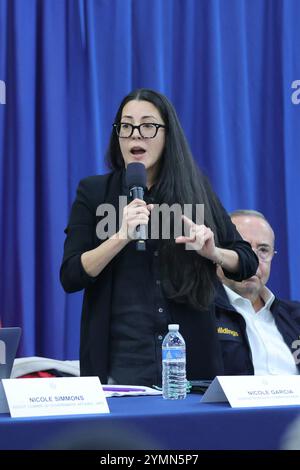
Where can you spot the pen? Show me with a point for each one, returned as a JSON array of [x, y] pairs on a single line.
[[122, 389]]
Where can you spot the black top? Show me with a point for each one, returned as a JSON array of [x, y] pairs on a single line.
[[125, 313], [139, 314], [139, 317], [231, 327]]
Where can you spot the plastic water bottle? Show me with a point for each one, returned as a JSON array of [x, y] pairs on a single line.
[[173, 365]]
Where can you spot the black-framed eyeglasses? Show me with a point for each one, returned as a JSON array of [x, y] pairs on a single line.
[[264, 253], [147, 130]]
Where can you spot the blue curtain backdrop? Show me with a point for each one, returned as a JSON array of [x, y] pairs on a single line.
[[229, 67]]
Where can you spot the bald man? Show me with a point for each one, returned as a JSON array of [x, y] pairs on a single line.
[[259, 333]]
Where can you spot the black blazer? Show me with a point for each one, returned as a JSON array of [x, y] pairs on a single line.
[[204, 358]]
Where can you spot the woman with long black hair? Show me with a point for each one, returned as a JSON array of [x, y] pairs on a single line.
[[131, 296]]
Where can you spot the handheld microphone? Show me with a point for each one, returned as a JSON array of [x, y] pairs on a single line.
[[136, 181]]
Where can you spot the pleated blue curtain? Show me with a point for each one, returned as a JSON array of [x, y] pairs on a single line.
[[228, 67]]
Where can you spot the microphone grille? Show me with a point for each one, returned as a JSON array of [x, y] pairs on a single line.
[[136, 175]]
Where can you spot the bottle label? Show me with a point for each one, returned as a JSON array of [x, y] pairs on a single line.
[[173, 353]]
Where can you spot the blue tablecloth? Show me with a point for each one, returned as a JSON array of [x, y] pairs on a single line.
[[153, 423]]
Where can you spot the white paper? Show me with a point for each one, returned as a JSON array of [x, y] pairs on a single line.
[[55, 396], [29, 365], [128, 390]]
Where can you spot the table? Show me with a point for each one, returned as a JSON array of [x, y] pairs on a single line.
[[153, 423]]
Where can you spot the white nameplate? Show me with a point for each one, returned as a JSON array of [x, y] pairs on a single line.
[[254, 390], [55, 396], [3, 402]]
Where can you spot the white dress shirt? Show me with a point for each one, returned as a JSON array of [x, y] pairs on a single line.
[[270, 354]]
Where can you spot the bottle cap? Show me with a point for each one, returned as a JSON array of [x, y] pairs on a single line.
[[173, 327]]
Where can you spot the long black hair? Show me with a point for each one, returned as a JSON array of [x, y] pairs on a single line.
[[186, 276]]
